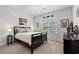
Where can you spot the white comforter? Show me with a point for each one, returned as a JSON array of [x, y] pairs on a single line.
[[26, 37]]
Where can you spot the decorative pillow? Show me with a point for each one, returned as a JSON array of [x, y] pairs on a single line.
[[23, 30]]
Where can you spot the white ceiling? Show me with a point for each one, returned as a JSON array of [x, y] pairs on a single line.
[[35, 10]]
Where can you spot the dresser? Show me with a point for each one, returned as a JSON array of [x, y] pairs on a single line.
[[70, 46]]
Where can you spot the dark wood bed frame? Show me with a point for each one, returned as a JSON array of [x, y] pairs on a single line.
[[36, 39]]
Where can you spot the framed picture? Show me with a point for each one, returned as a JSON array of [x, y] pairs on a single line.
[[64, 23], [52, 15], [22, 21], [48, 16], [44, 17], [77, 12]]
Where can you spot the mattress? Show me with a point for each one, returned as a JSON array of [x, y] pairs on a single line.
[[26, 37]]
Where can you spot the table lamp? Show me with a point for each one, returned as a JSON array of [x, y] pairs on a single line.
[[9, 30], [32, 28]]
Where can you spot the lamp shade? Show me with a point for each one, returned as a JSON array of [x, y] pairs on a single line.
[[9, 30], [32, 28]]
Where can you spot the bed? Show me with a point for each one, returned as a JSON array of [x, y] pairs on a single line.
[[31, 39]]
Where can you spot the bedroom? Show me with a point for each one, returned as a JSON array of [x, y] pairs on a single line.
[[34, 19]]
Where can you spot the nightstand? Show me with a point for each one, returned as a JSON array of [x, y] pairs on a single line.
[[9, 39]]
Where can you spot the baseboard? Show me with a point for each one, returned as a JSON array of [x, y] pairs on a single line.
[[3, 44], [56, 41]]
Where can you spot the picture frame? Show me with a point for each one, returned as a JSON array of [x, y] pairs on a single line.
[[22, 21], [47, 16], [52, 15], [64, 23], [44, 17], [77, 12]]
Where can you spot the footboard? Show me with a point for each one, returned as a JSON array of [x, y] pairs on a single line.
[[36, 40]]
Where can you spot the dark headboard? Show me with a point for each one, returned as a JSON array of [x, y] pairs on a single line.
[[17, 28]]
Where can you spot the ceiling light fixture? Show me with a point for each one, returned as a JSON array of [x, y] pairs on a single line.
[[37, 7]]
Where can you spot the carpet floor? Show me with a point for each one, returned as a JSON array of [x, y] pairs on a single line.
[[51, 47]]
